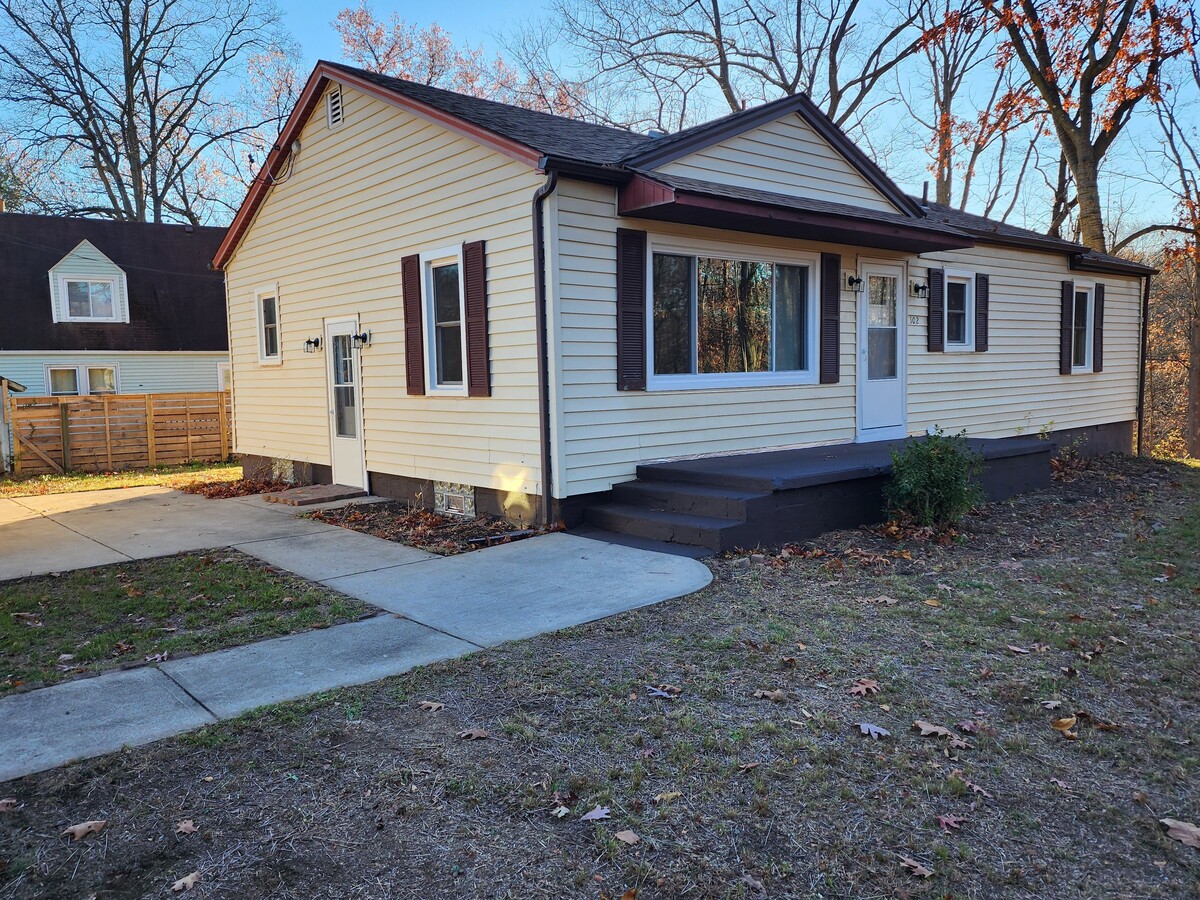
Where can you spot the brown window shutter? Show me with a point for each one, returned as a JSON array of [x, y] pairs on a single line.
[[831, 317], [936, 341], [631, 310], [1098, 329], [1068, 313], [982, 300], [479, 383], [414, 342]]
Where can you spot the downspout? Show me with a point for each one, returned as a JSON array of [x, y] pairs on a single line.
[[1141, 400], [542, 308]]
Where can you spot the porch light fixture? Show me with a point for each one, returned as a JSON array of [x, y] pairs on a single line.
[[855, 283], [360, 340], [920, 289], [312, 345]]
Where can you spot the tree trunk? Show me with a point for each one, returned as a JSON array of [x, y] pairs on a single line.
[[1087, 191]]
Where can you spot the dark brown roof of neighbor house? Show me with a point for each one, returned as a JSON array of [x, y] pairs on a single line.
[[176, 300]]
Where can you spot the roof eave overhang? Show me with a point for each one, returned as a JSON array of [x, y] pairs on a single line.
[[647, 199], [1111, 267], [586, 171], [314, 88]]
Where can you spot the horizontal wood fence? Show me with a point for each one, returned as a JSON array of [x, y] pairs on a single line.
[[110, 432]]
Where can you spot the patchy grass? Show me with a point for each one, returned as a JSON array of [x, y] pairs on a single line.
[[168, 476], [55, 627], [362, 793]]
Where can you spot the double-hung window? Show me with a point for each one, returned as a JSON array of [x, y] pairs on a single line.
[[728, 319], [62, 381], [442, 285], [268, 326], [960, 311], [87, 299], [74, 381], [1081, 329]]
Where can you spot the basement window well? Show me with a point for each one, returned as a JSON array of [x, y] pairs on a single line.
[[453, 499]]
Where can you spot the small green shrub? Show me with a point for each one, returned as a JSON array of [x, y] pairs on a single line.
[[933, 479]]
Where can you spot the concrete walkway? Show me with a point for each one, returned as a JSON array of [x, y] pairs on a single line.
[[436, 608]]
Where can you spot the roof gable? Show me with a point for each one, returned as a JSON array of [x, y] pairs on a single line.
[[87, 263]]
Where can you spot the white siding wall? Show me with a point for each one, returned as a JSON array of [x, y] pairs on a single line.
[[1013, 388], [384, 185], [85, 261], [139, 373], [786, 157]]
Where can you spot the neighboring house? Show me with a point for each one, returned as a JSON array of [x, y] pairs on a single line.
[[91, 306], [511, 310]]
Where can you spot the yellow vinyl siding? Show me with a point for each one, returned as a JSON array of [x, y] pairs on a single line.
[[785, 157], [607, 432], [384, 185], [1013, 388]]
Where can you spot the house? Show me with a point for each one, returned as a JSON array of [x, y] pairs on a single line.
[[485, 308], [93, 306]]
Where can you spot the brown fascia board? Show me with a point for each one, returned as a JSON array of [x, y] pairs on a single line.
[[1111, 266], [739, 123], [313, 90]]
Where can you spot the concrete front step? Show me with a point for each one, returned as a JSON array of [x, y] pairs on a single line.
[[312, 494], [692, 499], [663, 525]]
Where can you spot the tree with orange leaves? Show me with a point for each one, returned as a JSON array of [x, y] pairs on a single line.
[[429, 56], [1092, 63]]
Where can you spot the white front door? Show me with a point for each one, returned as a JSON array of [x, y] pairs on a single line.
[[881, 356], [345, 404]]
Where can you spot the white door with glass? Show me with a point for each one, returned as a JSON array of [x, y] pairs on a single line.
[[881, 357], [345, 406]]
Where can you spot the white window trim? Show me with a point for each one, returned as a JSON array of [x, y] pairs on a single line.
[[270, 290], [1090, 288], [429, 259], [740, 252], [333, 126], [222, 368], [62, 307], [81, 377], [967, 346]]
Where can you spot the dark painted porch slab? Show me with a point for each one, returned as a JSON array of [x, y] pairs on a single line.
[[777, 496], [784, 470]]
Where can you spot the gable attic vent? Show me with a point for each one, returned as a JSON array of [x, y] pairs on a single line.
[[333, 107]]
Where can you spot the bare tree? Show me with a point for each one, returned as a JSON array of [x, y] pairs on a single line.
[[1092, 62], [669, 56], [136, 99]]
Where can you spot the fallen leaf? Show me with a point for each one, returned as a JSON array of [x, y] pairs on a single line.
[[432, 706], [969, 726], [1016, 649], [873, 731], [600, 812], [1059, 783], [83, 829], [187, 826], [559, 811], [1051, 704], [667, 796], [789, 662], [187, 882], [864, 686], [928, 729], [669, 691], [882, 599], [916, 868], [932, 601], [30, 619], [1070, 671], [630, 894], [746, 767], [800, 645], [776, 695], [474, 734], [1184, 832], [627, 837], [1141, 797], [8, 804], [951, 823], [1064, 726]]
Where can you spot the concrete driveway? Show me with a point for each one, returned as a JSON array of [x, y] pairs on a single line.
[[59, 532]]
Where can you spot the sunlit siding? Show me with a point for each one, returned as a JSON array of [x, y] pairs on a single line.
[[1014, 388], [785, 157], [384, 185]]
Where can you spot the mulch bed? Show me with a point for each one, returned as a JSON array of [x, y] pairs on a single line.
[[243, 487], [423, 528], [713, 746]]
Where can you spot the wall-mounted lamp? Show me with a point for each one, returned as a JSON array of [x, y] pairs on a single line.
[[360, 340], [854, 283], [920, 289], [312, 345]]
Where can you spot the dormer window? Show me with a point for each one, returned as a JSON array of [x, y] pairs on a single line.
[[90, 299]]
